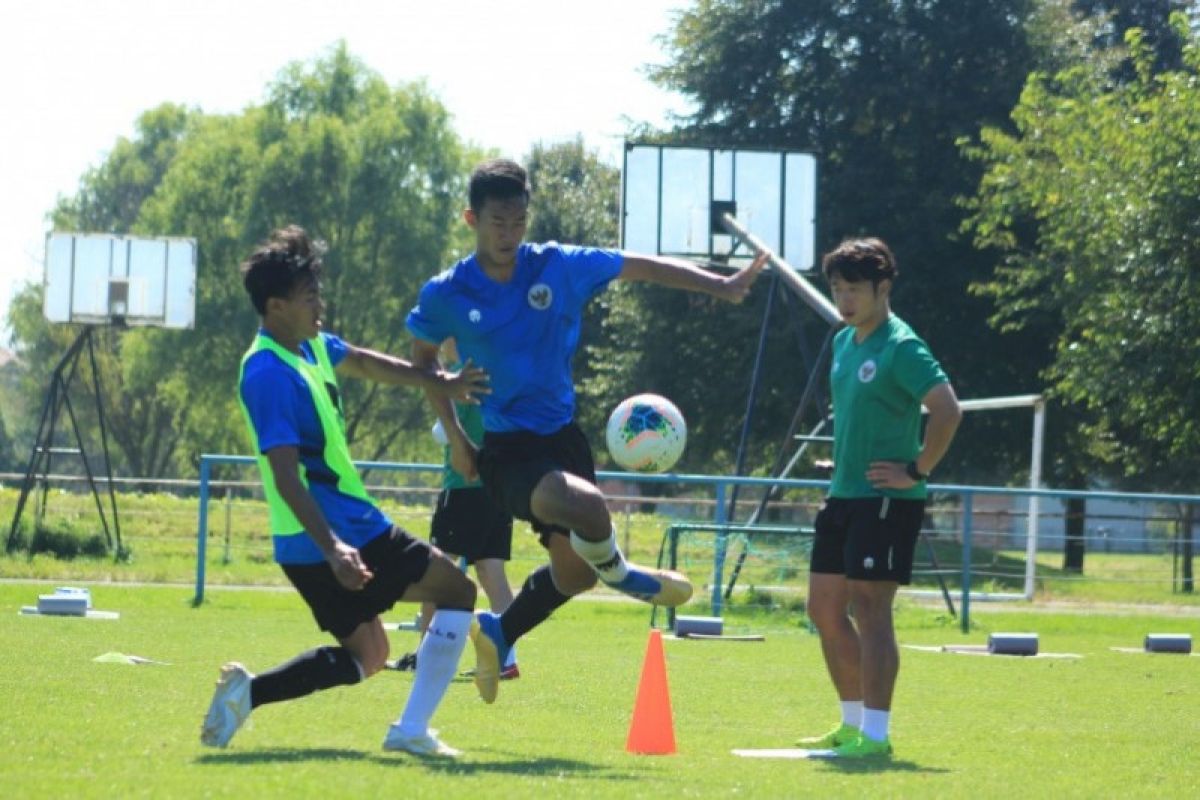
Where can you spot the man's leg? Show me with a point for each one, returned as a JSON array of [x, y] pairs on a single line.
[[880, 662], [566, 500], [828, 599], [437, 658]]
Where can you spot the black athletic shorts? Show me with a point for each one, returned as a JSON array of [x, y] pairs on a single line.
[[867, 538], [468, 523], [511, 464], [397, 561]]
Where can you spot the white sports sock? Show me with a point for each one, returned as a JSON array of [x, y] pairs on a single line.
[[604, 556], [875, 723], [852, 713], [437, 663]]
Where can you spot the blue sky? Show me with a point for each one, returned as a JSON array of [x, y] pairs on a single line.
[[79, 72]]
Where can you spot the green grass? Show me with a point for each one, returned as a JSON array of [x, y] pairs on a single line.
[[1106, 725]]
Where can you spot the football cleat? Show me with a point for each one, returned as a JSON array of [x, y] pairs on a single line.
[[230, 706], [659, 587]]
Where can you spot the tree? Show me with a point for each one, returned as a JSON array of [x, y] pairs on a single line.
[[1093, 202], [880, 90], [376, 171]]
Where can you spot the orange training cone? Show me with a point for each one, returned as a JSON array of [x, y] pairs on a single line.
[[652, 732]]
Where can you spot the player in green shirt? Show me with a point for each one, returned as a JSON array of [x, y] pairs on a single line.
[[866, 531]]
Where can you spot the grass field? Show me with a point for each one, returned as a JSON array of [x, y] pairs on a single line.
[[1108, 724]]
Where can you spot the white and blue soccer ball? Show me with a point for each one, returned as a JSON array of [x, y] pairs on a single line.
[[646, 433]]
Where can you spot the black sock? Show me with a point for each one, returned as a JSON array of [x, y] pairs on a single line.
[[308, 672], [538, 599]]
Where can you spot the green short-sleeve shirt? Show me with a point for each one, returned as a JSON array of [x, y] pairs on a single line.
[[877, 390]]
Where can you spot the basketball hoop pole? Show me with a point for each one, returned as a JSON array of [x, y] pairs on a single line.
[[807, 292], [57, 396]]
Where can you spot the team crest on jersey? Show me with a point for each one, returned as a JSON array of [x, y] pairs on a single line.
[[540, 296], [474, 315], [866, 373]]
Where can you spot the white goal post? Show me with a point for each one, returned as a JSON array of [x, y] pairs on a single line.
[[1038, 404]]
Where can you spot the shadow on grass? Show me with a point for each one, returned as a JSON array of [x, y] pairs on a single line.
[[519, 765], [867, 766]]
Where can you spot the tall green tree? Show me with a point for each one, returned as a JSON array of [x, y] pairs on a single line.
[[879, 90], [1093, 202], [377, 171]]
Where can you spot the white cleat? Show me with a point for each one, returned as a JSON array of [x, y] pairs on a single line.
[[230, 706], [426, 744]]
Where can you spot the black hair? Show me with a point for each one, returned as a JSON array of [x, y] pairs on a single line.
[[857, 260], [289, 258], [498, 179]]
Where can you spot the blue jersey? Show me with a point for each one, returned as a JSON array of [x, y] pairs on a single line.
[[283, 415], [524, 332]]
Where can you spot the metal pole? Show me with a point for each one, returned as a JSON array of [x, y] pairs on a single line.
[[719, 547], [1035, 482], [968, 513], [202, 530], [808, 293]]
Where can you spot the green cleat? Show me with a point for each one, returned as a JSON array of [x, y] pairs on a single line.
[[863, 747], [840, 735]]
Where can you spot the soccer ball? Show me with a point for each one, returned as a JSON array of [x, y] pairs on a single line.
[[646, 433]]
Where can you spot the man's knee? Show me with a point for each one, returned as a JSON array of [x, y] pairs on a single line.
[[559, 493]]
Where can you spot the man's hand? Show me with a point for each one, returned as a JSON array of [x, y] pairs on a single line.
[[463, 456], [348, 566], [466, 385], [890, 475], [735, 287]]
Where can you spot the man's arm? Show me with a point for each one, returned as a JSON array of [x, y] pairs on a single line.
[[464, 386], [676, 273], [944, 416], [347, 565], [462, 451]]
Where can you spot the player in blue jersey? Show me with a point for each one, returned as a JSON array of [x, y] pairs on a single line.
[[344, 556], [866, 531], [515, 309]]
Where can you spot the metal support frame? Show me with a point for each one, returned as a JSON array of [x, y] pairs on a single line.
[[58, 398]]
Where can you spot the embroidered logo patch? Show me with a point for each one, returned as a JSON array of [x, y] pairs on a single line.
[[866, 373], [474, 315], [540, 296]]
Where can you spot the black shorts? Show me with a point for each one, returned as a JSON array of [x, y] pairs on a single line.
[[511, 464], [397, 561], [867, 538], [467, 523]]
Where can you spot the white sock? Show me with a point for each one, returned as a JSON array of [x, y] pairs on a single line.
[[604, 556], [852, 713], [437, 663], [875, 723]]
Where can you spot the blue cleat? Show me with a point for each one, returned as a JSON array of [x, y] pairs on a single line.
[[658, 587], [491, 651]]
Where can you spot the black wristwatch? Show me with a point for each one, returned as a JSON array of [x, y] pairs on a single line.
[[910, 469]]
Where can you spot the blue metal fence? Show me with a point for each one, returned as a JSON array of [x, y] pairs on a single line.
[[719, 485]]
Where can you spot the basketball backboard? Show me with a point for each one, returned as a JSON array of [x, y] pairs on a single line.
[[672, 198], [99, 279]]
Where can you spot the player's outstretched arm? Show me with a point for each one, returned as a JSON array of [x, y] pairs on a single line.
[[345, 560], [464, 386], [676, 273]]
